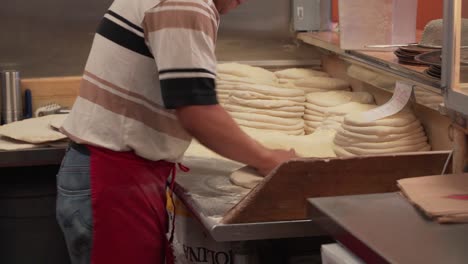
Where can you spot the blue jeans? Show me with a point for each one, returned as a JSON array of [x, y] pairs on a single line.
[[74, 213]]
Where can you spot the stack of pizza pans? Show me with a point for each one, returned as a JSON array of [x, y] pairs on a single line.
[[407, 54], [434, 60], [434, 71]]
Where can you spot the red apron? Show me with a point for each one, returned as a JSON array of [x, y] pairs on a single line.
[[128, 195]]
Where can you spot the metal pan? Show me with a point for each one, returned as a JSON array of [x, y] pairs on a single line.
[[417, 49], [430, 58]]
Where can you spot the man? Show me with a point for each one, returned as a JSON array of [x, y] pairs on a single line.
[[148, 87]]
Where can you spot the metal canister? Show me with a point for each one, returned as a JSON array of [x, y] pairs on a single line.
[[12, 107]]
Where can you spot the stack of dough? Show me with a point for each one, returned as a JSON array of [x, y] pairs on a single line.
[[319, 84], [267, 108], [293, 74], [232, 74], [329, 108], [401, 132]]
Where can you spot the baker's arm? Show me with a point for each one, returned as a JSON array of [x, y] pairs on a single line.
[[182, 37], [214, 128]]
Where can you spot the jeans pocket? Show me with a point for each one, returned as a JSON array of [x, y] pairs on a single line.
[[74, 215], [74, 173]]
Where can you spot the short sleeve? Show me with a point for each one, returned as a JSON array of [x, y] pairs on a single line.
[[182, 36]]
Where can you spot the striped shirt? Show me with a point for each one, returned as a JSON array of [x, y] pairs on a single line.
[[148, 58]]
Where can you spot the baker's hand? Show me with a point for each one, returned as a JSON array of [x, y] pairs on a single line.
[[274, 159]]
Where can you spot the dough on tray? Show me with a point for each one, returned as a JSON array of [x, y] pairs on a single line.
[[343, 109], [268, 119], [415, 126], [286, 112], [307, 90], [312, 124], [323, 83], [263, 125], [299, 73], [381, 145], [270, 90], [356, 137], [402, 118], [297, 132], [334, 98], [244, 70], [229, 80], [248, 95], [313, 112], [314, 118], [367, 151], [264, 104], [278, 113], [34, 130], [7, 144]]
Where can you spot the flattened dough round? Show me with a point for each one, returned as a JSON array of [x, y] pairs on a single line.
[[414, 127], [355, 137], [244, 70], [246, 177], [267, 119], [351, 152], [380, 145], [361, 151], [343, 109], [313, 118], [263, 125], [269, 90], [225, 79], [312, 124], [313, 112], [279, 113], [249, 95], [263, 104]]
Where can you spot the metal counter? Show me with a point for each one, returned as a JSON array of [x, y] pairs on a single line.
[[386, 228], [207, 192], [32, 157]]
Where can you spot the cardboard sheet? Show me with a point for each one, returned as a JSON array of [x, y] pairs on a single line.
[[443, 198]]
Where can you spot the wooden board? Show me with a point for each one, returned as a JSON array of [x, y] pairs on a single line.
[[60, 90], [282, 195]]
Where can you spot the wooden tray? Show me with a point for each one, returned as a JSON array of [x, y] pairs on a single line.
[[282, 195]]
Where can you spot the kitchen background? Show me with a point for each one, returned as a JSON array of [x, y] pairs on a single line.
[[53, 37]]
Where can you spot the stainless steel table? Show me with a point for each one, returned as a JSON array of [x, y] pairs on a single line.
[[385, 228]]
